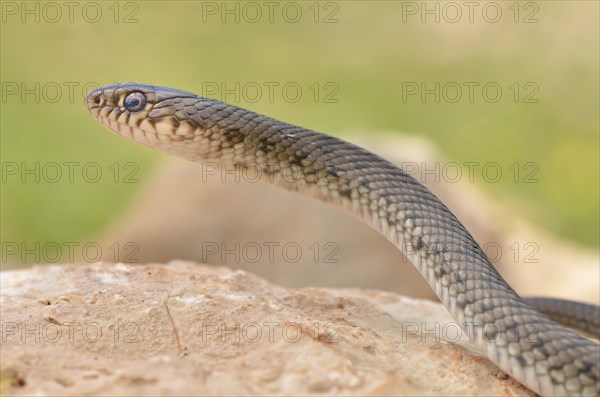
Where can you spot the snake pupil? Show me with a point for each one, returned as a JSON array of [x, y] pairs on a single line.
[[135, 101]]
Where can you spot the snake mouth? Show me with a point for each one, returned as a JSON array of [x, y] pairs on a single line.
[[148, 133], [149, 138], [159, 134]]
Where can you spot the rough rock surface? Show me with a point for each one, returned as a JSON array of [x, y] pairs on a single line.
[[187, 329]]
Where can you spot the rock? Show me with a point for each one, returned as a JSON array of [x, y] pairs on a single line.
[[182, 329]]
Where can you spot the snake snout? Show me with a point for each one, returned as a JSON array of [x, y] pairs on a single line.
[[93, 99], [103, 98]]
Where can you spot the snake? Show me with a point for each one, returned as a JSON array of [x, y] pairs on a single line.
[[545, 356]]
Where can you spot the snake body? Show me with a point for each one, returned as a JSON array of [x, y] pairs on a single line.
[[533, 349]]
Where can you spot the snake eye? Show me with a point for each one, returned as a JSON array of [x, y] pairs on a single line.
[[135, 101]]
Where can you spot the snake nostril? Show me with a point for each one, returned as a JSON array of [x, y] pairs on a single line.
[[97, 99]]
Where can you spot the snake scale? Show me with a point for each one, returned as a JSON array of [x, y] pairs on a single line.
[[543, 355]]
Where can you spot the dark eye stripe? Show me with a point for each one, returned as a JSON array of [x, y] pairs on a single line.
[[135, 102]]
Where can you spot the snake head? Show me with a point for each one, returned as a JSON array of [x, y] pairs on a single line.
[[158, 117]]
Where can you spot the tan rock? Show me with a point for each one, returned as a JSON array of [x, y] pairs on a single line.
[[187, 329]]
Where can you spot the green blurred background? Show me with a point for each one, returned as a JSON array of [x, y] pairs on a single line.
[[368, 50]]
